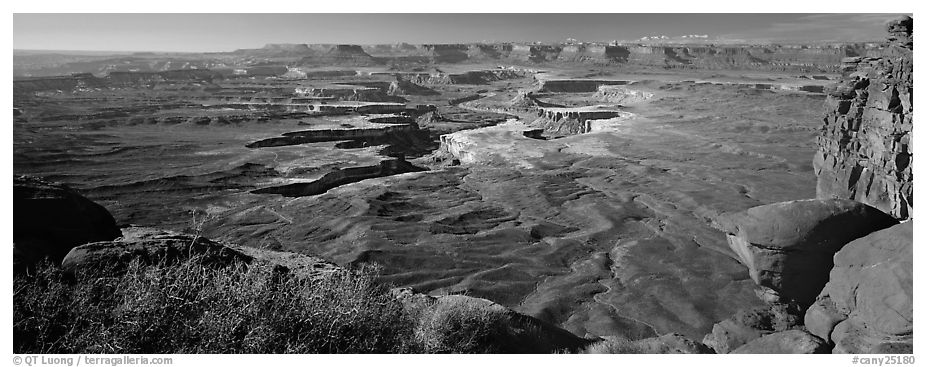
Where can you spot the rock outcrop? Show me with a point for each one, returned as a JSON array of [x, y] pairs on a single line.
[[867, 306], [789, 246], [621, 95], [50, 219], [672, 344], [750, 324], [864, 157], [406, 88], [524, 100], [348, 93], [342, 177], [576, 85], [150, 246], [476, 77], [573, 120], [865, 151], [785, 342]]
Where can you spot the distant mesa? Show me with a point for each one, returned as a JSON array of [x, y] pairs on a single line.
[[353, 55], [347, 50], [684, 52], [291, 47], [280, 50]]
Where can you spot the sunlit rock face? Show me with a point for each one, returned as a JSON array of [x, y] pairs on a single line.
[[867, 306], [865, 155], [789, 246], [864, 146]]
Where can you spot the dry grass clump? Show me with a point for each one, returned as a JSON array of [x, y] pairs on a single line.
[[461, 327], [615, 346], [191, 308]]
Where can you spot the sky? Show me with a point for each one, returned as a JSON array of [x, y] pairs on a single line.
[[227, 32]]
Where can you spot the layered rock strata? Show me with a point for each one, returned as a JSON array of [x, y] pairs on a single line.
[[865, 151], [573, 120]]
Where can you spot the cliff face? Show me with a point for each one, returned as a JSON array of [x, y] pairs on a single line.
[[867, 304], [747, 57], [864, 146]]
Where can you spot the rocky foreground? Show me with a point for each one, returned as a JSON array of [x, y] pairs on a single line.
[[865, 304]]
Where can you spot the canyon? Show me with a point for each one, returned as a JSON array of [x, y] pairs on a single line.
[[606, 191]]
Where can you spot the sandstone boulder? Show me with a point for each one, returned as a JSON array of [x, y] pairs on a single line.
[[785, 342], [149, 246], [750, 324], [49, 219], [867, 306], [789, 246]]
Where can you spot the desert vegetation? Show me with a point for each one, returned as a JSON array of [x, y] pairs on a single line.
[[191, 308]]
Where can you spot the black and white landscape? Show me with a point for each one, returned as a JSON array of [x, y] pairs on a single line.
[[660, 194]]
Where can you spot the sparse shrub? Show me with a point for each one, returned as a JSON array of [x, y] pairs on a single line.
[[614, 346], [189, 308], [461, 327]]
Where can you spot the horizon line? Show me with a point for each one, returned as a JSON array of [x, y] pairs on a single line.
[[619, 42]]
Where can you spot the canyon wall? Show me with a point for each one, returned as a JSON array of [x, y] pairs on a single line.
[[275, 57], [864, 151], [576, 85], [713, 57], [746, 57]]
